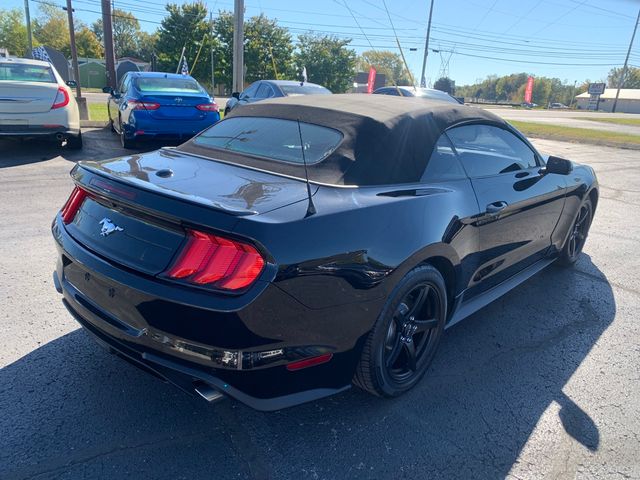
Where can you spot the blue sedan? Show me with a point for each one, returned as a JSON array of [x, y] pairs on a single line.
[[162, 106]]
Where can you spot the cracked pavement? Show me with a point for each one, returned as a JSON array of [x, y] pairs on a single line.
[[543, 383]]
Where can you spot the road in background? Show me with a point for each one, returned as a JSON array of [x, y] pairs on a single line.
[[542, 383]]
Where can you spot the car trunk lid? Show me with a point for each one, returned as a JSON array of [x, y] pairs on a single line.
[[181, 106], [26, 97], [138, 207]]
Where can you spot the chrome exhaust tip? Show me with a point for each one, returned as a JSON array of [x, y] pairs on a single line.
[[207, 392]]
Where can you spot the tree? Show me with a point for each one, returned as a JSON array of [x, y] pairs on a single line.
[[146, 45], [445, 84], [51, 28], [328, 61], [87, 44], [631, 80], [266, 45], [186, 27], [13, 32], [387, 63], [126, 33]]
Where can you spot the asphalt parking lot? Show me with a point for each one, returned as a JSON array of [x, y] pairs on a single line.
[[542, 383]]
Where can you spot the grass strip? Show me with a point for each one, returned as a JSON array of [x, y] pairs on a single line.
[[582, 135]]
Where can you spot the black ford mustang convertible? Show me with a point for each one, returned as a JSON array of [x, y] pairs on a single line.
[[304, 244]]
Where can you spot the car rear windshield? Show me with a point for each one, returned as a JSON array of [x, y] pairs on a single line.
[[26, 73], [293, 90], [271, 138], [169, 85]]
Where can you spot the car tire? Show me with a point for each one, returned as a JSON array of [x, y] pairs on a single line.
[[74, 142], [577, 235], [405, 337], [111, 127], [226, 111], [126, 142]]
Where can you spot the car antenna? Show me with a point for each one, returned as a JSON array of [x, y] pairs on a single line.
[[311, 208]]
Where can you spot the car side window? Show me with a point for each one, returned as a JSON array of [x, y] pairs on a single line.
[[251, 91], [488, 150], [443, 164], [265, 91], [124, 83]]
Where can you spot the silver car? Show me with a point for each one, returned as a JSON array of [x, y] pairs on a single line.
[[36, 102]]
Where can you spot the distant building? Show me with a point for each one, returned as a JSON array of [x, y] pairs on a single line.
[[628, 101]]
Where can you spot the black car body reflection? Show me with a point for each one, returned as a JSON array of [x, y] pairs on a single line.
[[222, 276]]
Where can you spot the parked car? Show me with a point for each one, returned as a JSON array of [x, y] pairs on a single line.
[[36, 102], [263, 89], [159, 106], [430, 93], [558, 105], [306, 243], [528, 105]]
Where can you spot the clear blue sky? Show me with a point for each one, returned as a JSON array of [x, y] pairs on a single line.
[[568, 39]]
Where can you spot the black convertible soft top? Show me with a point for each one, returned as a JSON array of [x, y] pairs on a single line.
[[387, 139]]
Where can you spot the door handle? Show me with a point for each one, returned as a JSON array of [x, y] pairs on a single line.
[[496, 207]]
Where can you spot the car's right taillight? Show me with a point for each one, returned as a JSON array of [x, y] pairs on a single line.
[[62, 98], [73, 204], [213, 261]]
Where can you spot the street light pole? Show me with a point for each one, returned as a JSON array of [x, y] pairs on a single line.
[[423, 80], [238, 46], [82, 106], [626, 64], [27, 16], [107, 29]]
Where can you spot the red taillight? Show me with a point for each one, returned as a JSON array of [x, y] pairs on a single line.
[[309, 362], [138, 105], [72, 206], [62, 98], [210, 260], [208, 107]]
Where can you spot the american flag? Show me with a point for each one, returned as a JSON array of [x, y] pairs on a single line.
[[40, 53], [185, 67], [304, 75]]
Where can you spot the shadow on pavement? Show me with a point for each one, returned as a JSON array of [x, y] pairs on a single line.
[[99, 144], [71, 410]]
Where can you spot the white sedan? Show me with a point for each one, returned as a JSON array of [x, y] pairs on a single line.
[[35, 101]]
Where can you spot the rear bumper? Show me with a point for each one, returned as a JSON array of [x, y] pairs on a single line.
[[187, 343], [37, 130], [141, 126]]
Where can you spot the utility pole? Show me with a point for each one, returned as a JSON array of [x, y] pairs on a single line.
[[212, 64], [423, 80], [238, 46], [27, 17], [107, 36], [82, 104], [626, 64]]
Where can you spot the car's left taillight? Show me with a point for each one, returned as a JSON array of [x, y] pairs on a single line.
[[62, 98], [208, 107], [73, 204], [213, 261]]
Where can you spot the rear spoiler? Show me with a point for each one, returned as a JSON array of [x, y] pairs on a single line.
[[109, 188]]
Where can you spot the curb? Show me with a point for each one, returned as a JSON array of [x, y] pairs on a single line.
[[93, 123]]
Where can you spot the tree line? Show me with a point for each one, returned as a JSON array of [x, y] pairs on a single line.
[[270, 52]]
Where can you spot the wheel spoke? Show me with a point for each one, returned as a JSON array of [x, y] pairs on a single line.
[[427, 324], [395, 352], [419, 301], [410, 351]]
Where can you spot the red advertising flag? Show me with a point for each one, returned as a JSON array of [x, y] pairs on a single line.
[[371, 80], [528, 92]]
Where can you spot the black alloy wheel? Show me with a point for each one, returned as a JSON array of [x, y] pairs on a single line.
[[405, 338], [577, 235]]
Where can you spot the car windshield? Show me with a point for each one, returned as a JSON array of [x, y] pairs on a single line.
[[271, 138], [26, 73], [293, 90], [169, 85]]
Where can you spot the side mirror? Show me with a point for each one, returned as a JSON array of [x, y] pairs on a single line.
[[236, 95], [107, 90], [558, 165], [72, 83]]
